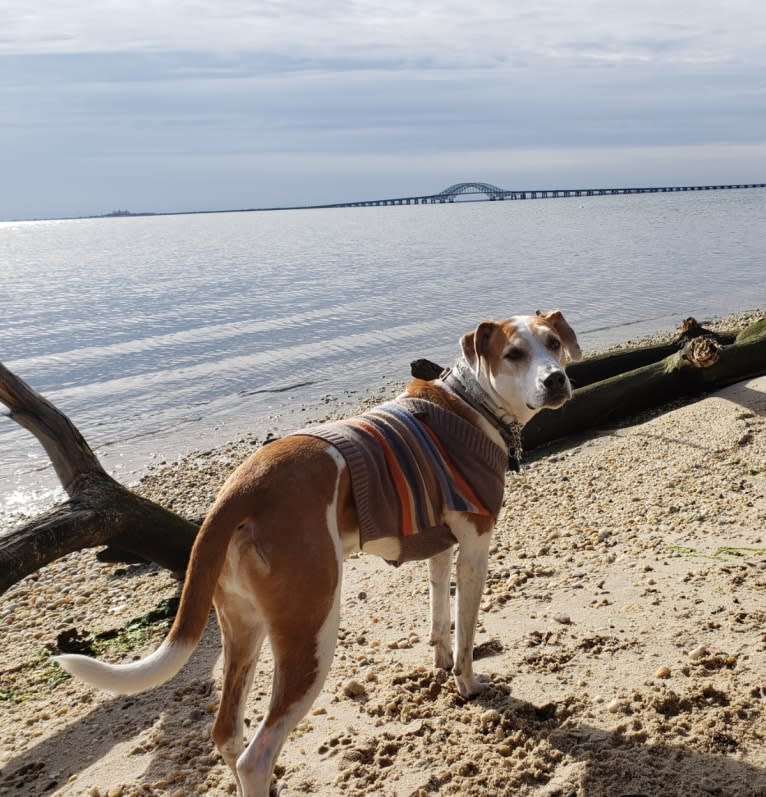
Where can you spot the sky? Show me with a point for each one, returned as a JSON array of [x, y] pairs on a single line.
[[149, 105]]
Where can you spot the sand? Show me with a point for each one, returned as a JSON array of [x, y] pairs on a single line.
[[623, 632]]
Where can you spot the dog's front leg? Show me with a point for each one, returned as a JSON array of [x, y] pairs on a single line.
[[439, 567], [471, 575]]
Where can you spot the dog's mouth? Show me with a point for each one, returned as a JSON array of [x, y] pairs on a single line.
[[552, 398], [554, 402]]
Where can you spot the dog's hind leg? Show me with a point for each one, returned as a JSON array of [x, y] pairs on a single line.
[[471, 576], [439, 568], [242, 638], [298, 590], [300, 669]]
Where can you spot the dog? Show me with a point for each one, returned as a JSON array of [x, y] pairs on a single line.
[[269, 555]]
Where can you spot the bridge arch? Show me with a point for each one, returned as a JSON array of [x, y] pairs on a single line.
[[492, 191]]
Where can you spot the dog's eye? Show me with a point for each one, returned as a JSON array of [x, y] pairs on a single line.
[[514, 354], [554, 344]]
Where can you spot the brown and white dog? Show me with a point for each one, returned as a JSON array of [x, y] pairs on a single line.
[[269, 555]]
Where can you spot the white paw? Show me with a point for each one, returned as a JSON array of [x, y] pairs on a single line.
[[470, 686], [442, 656]]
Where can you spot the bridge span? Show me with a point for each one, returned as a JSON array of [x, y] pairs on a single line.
[[494, 194]]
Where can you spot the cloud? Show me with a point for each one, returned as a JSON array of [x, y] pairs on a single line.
[[443, 32], [213, 96]]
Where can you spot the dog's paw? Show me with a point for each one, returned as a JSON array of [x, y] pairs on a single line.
[[472, 686], [443, 659]]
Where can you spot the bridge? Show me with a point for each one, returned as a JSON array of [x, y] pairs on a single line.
[[494, 194]]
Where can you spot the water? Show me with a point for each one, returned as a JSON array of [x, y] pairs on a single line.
[[159, 335]]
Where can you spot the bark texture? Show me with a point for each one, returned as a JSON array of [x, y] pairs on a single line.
[[99, 510]]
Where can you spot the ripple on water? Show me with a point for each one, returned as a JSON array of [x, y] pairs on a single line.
[[167, 330]]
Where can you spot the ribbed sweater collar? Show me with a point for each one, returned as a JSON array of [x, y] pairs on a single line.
[[462, 380]]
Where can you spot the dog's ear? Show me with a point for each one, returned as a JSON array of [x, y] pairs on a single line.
[[565, 332], [469, 349], [476, 344]]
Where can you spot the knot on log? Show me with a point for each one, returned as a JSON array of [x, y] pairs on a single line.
[[702, 352]]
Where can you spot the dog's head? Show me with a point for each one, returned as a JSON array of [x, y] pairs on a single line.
[[520, 362]]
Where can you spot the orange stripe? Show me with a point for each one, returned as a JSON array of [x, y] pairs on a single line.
[[462, 484], [400, 483]]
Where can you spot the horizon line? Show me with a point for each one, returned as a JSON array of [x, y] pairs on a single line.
[[447, 196]]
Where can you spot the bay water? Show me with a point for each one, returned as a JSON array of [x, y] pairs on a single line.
[[159, 335]]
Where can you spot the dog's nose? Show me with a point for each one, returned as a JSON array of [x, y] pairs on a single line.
[[555, 380]]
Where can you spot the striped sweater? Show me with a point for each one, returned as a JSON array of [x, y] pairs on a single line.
[[410, 461]]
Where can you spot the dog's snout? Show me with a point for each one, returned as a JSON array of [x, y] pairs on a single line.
[[555, 380]]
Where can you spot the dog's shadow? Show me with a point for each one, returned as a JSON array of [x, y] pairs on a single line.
[[616, 764], [81, 744], [605, 763]]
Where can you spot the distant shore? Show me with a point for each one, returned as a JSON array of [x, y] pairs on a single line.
[[488, 193]]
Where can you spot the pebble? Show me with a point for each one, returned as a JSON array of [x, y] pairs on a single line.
[[697, 653], [663, 672], [614, 706], [490, 717], [353, 688]]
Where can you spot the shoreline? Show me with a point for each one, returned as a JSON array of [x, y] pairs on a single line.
[[217, 462], [226, 452]]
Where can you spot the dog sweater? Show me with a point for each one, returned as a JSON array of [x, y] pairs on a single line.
[[410, 460]]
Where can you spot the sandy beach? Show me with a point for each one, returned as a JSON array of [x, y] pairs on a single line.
[[623, 631]]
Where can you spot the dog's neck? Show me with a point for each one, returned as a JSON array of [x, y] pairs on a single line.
[[462, 381]]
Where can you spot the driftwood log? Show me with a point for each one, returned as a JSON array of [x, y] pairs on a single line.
[[617, 385], [614, 387], [101, 512]]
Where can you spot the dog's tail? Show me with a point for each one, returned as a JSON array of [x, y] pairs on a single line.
[[207, 558]]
